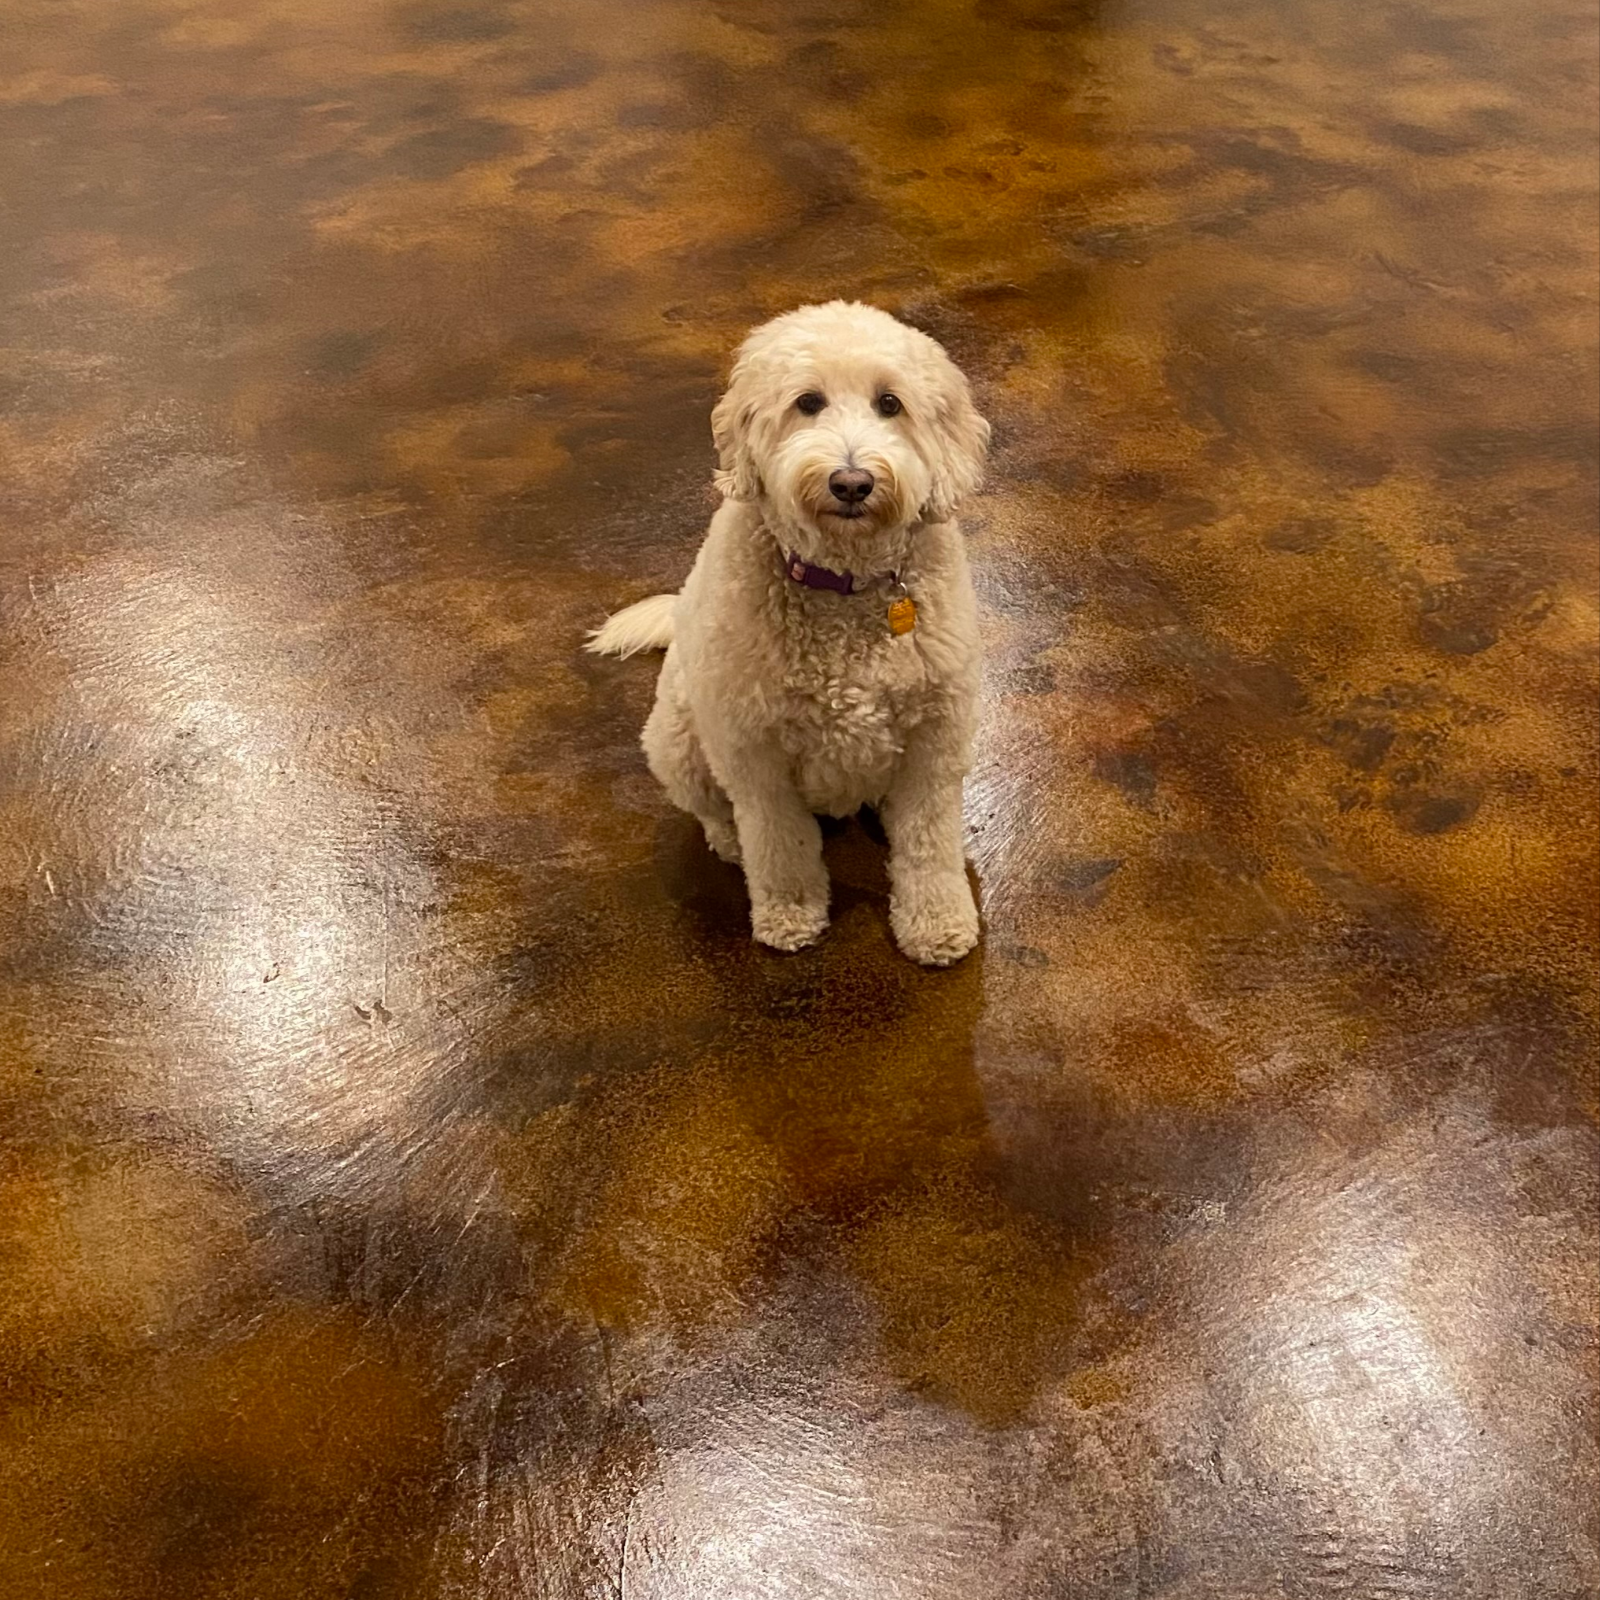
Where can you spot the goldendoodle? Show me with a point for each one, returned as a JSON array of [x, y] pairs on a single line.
[[823, 654]]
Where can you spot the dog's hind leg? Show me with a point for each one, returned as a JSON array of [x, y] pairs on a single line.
[[675, 757]]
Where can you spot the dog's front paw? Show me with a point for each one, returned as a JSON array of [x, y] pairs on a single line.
[[788, 924], [935, 924]]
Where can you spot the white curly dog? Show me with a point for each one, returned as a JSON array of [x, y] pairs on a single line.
[[823, 654]]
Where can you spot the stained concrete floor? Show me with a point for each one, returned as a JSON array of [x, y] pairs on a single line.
[[412, 1180]]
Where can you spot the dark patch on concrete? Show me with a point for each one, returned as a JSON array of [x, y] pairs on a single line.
[[561, 72], [1453, 618], [343, 354], [1038, 16], [1362, 741], [1478, 449], [828, 67], [383, 1578], [1389, 365], [667, 115], [1084, 877], [462, 143], [553, 172], [1420, 141], [202, 1507], [448, 24], [1431, 814], [824, 175], [1131, 772], [1302, 536]]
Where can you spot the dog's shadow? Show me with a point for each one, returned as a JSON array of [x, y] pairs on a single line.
[[854, 1069]]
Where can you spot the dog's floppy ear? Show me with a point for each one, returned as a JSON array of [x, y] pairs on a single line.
[[962, 439], [730, 431]]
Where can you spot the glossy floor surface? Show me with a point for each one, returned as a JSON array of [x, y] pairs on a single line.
[[412, 1180]]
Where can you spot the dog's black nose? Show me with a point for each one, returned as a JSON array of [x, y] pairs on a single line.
[[851, 484]]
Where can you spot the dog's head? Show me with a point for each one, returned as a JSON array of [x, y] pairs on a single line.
[[843, 420]]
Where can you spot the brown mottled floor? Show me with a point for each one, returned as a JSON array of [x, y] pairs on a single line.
[[413, 1182]]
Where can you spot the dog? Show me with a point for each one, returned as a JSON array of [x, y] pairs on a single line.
[[823, 654]]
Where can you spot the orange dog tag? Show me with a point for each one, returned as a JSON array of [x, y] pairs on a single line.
[[902, 615]]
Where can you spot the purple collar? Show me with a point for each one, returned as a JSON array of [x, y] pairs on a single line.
[[814, 577]]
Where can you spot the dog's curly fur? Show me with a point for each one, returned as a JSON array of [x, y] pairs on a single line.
[[776, 701]]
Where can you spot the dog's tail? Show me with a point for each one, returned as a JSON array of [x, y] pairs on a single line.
[[645, 626]]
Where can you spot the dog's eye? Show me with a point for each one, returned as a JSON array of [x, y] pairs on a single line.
[[889, 405], [810, 403]]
